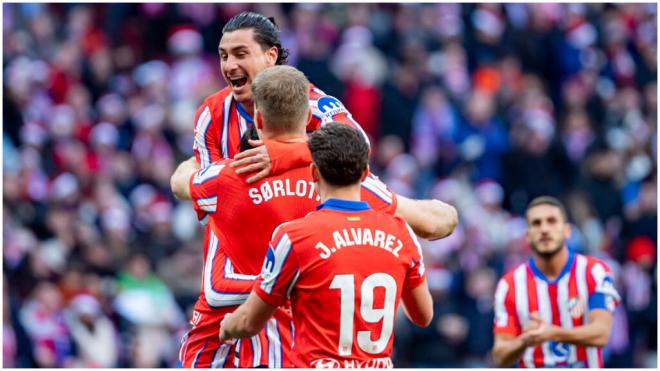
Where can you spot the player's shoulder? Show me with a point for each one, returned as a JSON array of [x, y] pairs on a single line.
[[508, 277], [314, 92], [218, 98], [592, 262]]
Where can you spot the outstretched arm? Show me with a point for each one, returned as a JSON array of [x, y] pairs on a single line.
[[429, 219]]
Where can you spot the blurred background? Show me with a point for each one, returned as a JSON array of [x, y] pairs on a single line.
[[484, 106]]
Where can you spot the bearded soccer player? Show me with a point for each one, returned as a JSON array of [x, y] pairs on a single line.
[[345, 268], [556, 309], [242, 218]]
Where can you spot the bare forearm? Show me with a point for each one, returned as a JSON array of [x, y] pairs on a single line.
[[239, 325], [429, 219], [508, 352], [592, 334], [247, 320], [179, 182]]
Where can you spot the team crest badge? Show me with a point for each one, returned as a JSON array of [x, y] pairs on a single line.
[[576, 307]]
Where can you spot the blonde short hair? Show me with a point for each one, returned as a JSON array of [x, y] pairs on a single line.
[[281, 94]]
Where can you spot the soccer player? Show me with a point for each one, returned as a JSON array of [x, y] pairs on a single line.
[[556, 309], [243, 215], [250, 43], [345, 268]]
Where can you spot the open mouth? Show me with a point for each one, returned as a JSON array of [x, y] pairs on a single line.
[[238, 82]]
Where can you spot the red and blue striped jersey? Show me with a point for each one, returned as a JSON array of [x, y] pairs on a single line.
[[584, 284]]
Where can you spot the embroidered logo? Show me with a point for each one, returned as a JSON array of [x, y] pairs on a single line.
[[576, 307]]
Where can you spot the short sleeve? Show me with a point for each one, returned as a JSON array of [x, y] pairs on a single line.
[[505, 321], [204, 186], [206, 145], [604, 295], [279, 271], [416, 273], [378, 195]]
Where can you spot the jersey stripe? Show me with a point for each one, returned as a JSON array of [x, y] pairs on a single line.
[[194, 365], [545, 313], [229, 273], [202, 126], [220, 356], [520, 288], [256, 350], [413, 237], [274, 344], [213, 297], [565, 319], [500, 297], [224, 140], [208, 204], [207, 173], [237, 353], [282, 249], [581, 268]]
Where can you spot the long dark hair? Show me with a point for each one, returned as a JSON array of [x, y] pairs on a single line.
[[265, 29]]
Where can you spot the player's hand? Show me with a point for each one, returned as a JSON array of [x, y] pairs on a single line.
[[539, 333], [253, 160], [225, 337]]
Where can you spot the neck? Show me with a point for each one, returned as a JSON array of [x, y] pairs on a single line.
[[297, 136], [350, 193], [552, 266], [248, 107]]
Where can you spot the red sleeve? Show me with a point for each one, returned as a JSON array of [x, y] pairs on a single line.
[[378, 195], [279, 271], [287, 156], [506, 321], [416, 274], [204, 189], [326, 108], [207, 144]]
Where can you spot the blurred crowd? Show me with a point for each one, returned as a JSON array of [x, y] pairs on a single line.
[[484, 106]]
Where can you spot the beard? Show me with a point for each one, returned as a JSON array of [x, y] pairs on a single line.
[[547, 254]]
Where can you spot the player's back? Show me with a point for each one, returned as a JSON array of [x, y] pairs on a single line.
[[353, 267], [250, 212]]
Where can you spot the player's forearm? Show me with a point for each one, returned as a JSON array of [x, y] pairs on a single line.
[[429, 219], [241, 326], [593, 334], [179, 182], [507, 352]]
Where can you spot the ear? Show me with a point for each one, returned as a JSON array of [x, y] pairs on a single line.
[[309, 116], [258, 119], [315, 173], [365, 173], [271, 55]]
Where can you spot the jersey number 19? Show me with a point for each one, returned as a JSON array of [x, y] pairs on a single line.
[[346, 284]]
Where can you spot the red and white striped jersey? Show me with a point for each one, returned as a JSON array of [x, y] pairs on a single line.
[[220, 122], [584, 284]]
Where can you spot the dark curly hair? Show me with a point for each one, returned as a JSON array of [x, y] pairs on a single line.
[[340, 153], [265, 29]]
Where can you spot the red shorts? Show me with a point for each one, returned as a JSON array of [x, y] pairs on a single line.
[[272, 347]]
